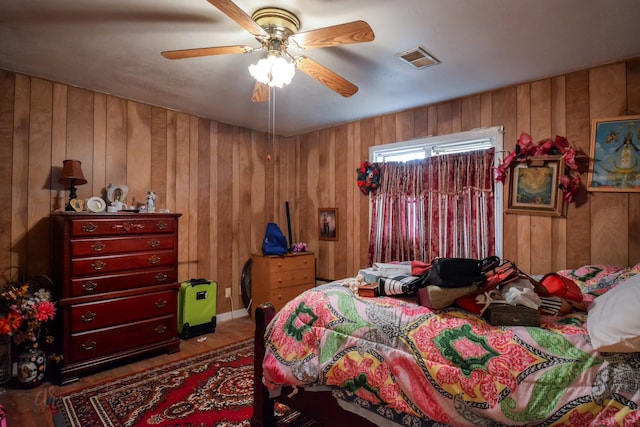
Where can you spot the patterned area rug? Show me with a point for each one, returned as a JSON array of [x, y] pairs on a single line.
[[211, 389]]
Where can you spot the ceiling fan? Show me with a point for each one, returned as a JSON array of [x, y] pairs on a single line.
[[277, 29]]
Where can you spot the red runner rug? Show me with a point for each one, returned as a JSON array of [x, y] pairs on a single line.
[[210, 389]]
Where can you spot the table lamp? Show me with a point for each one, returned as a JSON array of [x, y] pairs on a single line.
[[71, 176]]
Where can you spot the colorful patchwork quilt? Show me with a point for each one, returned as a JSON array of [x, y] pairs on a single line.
[[450, 367]]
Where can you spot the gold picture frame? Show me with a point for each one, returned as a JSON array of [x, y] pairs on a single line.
[[328, 223], [615, 155], [533, 187]]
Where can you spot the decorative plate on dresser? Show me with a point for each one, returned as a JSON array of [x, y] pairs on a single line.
[[96, 205], [116, 277]]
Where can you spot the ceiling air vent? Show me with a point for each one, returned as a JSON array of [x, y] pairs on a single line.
[[418, 58]]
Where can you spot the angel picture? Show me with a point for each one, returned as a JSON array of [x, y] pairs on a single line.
[[616, 155]]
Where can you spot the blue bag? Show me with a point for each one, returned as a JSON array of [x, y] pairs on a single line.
[[274, 242]]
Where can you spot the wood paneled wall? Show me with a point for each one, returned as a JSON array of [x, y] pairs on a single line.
[[228, 182], [602, 228], [215, 174]]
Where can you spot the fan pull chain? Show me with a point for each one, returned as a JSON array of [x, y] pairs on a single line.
[[271, 125]]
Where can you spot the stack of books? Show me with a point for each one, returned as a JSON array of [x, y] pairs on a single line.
[[368, 289]]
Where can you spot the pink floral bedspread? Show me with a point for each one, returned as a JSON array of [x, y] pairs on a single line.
[[450, 366]]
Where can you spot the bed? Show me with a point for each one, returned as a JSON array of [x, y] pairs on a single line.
[[347, 360]]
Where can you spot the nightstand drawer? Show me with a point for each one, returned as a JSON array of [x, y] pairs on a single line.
[[288, 263], [286, 279], [100, 314], [281, 296]]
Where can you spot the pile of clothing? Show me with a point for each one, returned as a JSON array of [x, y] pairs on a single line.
[[475, 285]]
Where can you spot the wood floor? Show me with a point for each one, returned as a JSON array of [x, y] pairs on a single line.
[[28, 408]]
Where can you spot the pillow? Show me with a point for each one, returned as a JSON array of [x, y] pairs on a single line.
[[589, 276], [612, 320]]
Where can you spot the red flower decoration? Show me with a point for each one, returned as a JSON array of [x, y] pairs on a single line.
[[368, 177], [577, 164], [569, 186]]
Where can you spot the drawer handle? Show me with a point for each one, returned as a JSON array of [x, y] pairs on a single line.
[[154, 259], [160, 329], [161, 303], [88, 316], [98, 247], [127, 226], [162, 225], [161, 277], [89, 228], [89, 345], [89, 286], [154, 243], [98, 265]]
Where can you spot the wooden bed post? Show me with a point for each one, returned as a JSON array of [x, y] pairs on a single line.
[[263, 415]]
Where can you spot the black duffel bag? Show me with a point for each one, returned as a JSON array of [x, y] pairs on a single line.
[[459, 272]]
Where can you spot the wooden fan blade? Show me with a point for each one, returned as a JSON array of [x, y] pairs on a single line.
[[230, 9], [205, 51], [325, 76], [351, 32], [260, 92]]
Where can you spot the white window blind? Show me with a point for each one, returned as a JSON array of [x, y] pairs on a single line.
[[477, 139]]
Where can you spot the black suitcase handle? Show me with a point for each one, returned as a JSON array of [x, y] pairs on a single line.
[[194, 282]]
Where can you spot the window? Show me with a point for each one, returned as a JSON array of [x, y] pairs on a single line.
[[477, 139]]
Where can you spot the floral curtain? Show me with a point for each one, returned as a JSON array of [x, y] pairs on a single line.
[[442, 206]]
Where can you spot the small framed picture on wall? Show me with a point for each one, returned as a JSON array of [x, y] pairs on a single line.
[[328, 223], [533, 187]]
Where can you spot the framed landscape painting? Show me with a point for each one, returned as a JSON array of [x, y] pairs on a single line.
[[533, 187], [615, 155]]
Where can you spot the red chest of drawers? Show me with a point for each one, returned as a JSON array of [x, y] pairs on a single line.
[[117, 287]]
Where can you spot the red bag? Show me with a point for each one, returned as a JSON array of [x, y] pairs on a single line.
[[419, 268], [560, 286]]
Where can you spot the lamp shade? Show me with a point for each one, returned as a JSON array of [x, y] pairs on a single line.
[[72, 173]]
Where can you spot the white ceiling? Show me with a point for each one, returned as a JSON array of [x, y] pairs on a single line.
[[114, 46]]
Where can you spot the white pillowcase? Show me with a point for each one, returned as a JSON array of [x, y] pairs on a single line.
[[613, 322]]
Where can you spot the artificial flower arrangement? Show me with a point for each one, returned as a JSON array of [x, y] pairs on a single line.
[[368, 177], [575, 164], [24, 311], [300, 247]]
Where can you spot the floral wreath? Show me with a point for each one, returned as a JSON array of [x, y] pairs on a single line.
[[576, 164], [368, 177]]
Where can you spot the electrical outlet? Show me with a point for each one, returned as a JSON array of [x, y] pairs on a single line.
[[227, 292]]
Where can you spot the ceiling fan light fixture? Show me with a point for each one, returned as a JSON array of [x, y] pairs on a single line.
[[274, 70], [276, 29]]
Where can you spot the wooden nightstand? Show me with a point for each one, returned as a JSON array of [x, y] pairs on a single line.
[[278, 279]]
